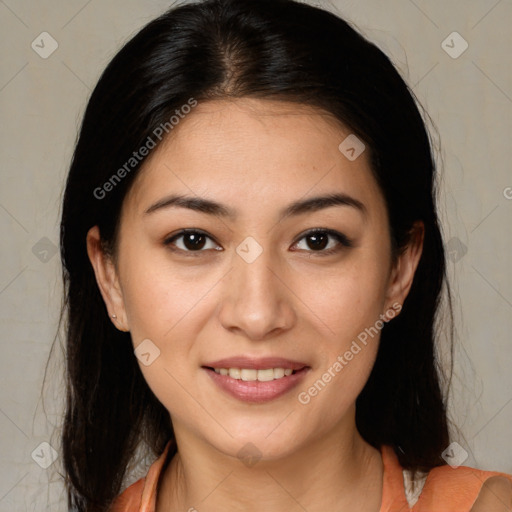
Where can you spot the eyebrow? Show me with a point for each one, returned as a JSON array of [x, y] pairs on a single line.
[[210, 207]]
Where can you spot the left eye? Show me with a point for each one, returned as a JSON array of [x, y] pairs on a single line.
[[318, 240]]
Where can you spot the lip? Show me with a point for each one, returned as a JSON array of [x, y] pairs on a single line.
[[256, 391], [254, 363]]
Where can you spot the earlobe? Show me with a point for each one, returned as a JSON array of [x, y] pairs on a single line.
[[402, 274], [107, 279]]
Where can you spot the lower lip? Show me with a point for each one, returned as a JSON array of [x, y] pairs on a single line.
[[256, 391]]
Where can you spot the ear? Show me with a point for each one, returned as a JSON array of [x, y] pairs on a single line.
[[107, 279], [402, 274]]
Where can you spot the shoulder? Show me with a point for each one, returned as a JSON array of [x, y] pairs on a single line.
[[495, 495], [463, 488]]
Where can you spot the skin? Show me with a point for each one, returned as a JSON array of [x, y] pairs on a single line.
[[257, 156], [495, 496]]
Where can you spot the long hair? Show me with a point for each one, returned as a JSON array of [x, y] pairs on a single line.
[[267, 49]]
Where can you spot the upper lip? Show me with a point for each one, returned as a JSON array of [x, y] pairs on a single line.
[[254, 363]]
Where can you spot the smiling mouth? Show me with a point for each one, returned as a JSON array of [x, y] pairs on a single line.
[[259, 385], [251, 374]]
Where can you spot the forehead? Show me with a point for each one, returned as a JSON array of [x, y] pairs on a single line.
[[267, 151]]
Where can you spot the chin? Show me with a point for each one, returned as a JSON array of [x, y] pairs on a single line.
[[262, 443]]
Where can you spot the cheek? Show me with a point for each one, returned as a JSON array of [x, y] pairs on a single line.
[[346, 358], [169, 308], [334, 391], [349, 298], [159, 297], [349, 304]]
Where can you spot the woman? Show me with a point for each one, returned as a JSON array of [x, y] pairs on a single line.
[[254, 266]]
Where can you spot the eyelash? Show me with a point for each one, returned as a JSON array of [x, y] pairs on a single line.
[[343, 240]]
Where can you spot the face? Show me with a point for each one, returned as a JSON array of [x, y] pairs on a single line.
[[251, 278]]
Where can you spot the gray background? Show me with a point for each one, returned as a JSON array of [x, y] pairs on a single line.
[[41, 103]]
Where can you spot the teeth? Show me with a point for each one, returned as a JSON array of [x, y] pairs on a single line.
[[250, 374], [234, 373], [247, 374], [261, 375], [278, 373]]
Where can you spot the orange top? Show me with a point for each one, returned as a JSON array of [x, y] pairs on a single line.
[[445, 488]]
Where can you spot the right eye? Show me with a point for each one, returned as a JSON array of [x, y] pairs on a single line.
[[192, 241]]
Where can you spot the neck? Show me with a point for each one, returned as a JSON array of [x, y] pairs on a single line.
[[338, 471]]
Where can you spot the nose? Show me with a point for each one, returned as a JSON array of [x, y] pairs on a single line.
[[258, 301]]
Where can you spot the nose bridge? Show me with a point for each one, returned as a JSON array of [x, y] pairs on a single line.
[[256, 301], [252, 265]]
